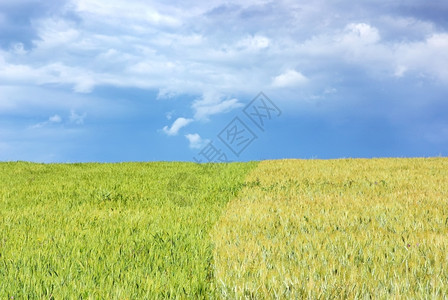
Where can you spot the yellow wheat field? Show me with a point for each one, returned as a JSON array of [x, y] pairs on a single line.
[[336, 229]]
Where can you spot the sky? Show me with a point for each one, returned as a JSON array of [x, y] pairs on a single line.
[[131, 80]]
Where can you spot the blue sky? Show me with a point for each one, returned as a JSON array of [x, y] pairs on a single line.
[[116, 80]]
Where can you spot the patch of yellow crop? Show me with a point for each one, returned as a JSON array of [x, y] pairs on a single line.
[[336, 229]]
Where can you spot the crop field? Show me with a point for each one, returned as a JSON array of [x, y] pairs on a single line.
[[348, 228]]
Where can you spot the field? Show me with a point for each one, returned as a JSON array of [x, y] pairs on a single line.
[[349, 228]]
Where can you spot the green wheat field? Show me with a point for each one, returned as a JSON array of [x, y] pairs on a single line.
[[283, 229]]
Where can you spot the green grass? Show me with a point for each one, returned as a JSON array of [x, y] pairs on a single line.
[[130, 230]]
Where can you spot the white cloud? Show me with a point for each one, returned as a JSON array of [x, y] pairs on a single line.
[[51, 120], [176, 126], [254, 43], [178, 51], [55, 119], [130, 11], [360, 33], [195, 140], [39, 125], [290, 78], [76, 118], [203, 111], [428, 57], [213, 103], [400, 70], [165, 48], [54, 73], [55, 33]]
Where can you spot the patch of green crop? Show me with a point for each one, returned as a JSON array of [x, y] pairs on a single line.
[[109, 231]]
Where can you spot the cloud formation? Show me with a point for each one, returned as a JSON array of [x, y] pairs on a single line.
[[211, 104], [51, 120], [290, 78], [176, 126], [176, 51], [77, 118], [195, 141]]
